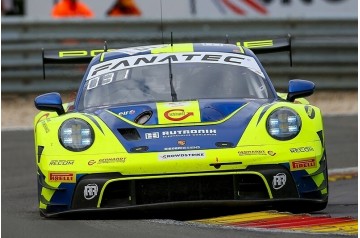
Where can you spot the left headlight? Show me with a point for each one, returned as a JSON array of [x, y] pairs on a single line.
[[283, 124], [76, 135]]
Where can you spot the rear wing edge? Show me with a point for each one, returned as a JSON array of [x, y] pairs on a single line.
[[68, 57], [269, 46]]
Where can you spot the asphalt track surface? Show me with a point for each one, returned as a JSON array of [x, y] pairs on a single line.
[[20, 217]]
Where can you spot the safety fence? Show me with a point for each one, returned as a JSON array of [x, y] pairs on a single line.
[[323, 51]]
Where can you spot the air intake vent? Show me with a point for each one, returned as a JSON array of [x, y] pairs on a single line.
[[143, 117], [129, 133], [224, 144]]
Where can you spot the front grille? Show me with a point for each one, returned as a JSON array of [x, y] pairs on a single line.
[[162, 190]]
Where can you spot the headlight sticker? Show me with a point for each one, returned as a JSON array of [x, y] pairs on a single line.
[[310, 111]]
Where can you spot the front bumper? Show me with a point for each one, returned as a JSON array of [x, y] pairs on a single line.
[[265, 186]]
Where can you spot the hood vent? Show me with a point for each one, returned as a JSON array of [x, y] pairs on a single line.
[[129, 134], [143, 117], [139, 149]]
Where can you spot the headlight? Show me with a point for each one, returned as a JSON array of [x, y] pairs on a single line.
[[283, 124], [76, 135]]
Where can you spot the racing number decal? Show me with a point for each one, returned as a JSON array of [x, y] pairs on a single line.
[[178, 112]]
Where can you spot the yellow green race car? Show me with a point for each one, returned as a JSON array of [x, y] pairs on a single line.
[[184, 125]]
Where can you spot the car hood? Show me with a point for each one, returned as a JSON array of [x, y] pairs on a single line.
[[185, 125]]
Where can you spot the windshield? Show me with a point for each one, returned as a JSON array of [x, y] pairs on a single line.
[[191, 80]]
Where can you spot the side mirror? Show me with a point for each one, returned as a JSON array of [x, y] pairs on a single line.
[[299, 88], [50, 102]]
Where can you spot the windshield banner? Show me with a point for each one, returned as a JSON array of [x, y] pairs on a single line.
[[176, 58]]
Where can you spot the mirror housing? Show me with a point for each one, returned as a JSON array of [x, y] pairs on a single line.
[[299, 88], [50, 102]]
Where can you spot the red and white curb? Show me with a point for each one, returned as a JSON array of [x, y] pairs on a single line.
[[286, 222]]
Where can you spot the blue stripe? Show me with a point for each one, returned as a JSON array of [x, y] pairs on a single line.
[[201, 137]]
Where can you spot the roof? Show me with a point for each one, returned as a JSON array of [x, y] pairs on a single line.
[[175, 48]]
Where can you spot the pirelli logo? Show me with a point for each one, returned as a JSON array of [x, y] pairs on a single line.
[[302, 164], [62, 177]]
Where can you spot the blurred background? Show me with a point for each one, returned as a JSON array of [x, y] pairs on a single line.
[[324, 45]]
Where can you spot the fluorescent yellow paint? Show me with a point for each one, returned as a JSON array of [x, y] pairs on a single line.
[[72, 53], [258, 44], [102, 57], [106, 145], [81, 53], [240, 48], [174, 48]]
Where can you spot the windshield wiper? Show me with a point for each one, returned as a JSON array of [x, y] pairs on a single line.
[[173, 92]]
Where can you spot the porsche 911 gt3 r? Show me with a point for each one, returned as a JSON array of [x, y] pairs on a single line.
[[182, 124]]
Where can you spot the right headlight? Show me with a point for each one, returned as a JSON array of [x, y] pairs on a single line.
[[76, 135], [283, 124]]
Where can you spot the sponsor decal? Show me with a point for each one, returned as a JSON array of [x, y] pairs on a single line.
[[176, 58], [112, 160], [203, 132], [79, 53], [61, 162], [180, 133], [63, 177], [251, 152], [152, 135], [181, 142], [125, 113], [196, 147], [138, 49], [302, 164], [90, 191], [182, 155], [271, 153], [108, 161], [279, 181], [301, 149], [177, 114]]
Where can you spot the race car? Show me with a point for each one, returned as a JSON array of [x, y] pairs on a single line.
[[192, 124]]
